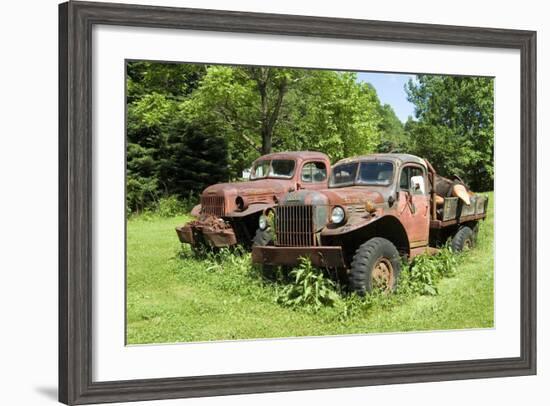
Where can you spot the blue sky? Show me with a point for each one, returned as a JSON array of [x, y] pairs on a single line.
[[391, 90]]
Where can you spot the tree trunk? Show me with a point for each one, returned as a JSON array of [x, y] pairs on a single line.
[[269, 117], [266, 141]]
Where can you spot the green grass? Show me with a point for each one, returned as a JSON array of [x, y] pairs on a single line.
[[174, 297]]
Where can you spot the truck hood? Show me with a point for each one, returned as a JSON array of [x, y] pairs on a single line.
[[345, 196], [249, 188], [342, 196]]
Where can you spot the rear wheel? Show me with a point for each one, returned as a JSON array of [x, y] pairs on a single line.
[[463, 240], [376, 265]]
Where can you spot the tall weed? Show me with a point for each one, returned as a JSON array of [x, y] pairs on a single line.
[[309, 288], [422, 274]]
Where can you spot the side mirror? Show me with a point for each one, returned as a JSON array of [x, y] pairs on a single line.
[[418, 184]]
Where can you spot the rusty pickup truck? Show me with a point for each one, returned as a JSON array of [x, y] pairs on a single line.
[[376, 210], [228, 212]]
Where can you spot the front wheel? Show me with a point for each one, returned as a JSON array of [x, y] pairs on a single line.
[[376, 265], [263, 237]]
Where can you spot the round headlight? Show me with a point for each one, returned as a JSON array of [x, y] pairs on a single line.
[[262, 222], [338, 215]]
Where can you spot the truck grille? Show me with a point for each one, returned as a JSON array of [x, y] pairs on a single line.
[[213, 205], [294, 226]]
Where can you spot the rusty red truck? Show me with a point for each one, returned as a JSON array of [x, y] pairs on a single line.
[[228, 212], [376, 210]]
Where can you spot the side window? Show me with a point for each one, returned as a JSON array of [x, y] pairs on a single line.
[[404, 179], [314, 172]]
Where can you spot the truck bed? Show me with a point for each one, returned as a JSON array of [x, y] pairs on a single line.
[[454, 211]]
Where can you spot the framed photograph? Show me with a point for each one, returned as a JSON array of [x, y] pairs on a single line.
[[259, 202]]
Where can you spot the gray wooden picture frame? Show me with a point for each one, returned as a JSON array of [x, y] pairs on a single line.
[[76, 20]]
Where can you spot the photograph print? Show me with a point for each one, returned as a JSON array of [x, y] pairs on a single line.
[[272, 202]]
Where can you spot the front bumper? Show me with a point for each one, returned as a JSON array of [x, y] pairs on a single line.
[[195, 233], [331, 257]]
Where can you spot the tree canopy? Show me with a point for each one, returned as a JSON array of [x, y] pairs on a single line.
[[454, 127], [191, 125]]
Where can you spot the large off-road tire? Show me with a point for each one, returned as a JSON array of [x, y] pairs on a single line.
[[376, 264], [463, 240], [262, 237]]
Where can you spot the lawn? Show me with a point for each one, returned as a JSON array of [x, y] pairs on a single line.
[[172, 296]]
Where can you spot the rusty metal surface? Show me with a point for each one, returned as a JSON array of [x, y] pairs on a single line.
[[255, 208], [212, 230], [450, 206], [219, 238], [266, 190], [331, 257], [185, 234], [383, 276], [303, 222], [294, 226], [400, 159], [298, 225], [456, 209], [212, 205], [220, 202], [441, 224]]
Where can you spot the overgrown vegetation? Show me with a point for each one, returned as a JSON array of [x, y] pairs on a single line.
[[425, 271], [308, 288], [175, 294], [168, 206]]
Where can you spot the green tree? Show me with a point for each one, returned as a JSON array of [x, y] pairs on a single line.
[[335, 114], [160, 148], [393, 137], [265, 109], [455, 126], [244, 104]]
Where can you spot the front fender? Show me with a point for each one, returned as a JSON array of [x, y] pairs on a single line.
[[252, 209], [387, 226], [352, 224]]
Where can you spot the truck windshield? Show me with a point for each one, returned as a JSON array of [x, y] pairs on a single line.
[[273, 168], [343, 174], [364, 173]]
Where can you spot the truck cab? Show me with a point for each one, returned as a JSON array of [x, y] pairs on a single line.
[[377, 209]]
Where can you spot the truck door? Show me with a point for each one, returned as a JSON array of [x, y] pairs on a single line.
[[313, 175], [414, 204]]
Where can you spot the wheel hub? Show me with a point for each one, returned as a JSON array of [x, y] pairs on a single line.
[[382, 274]]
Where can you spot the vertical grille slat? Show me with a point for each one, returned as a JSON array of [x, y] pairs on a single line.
[[213, 205], [294, 226]]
